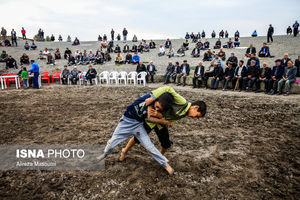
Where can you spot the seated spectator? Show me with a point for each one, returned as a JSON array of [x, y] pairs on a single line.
[[253, 57], [26, 46], [110, 46], [222, 54], [289, 31], [252, 75], [221, 34], [135, 59], [99, 59], [206, 44], [151, 71], [140, 67], [237, 34], [60, 38], [264, 51], [264, 76], [52, 38], [152, 44], [107, 57], [187, 36], [41, 56], [285, 59], [91, 74], [74, 76], [134, 39], [229, 44], [45, 53], [161, 51], [83, 59], [3, 57], [67, 53], [57, 54], [7, 43], [33, 46], [76, 42], [65, 75], [218, 44], [250, 50], [288, 78], [217, 60], [239, 74], [207, 56], [117, 49], [186, 45], [228, 76], [213, 34], [104, 44], [217, 76], [118, 37], [24, 59], [168, 43], [119, 59], [233, 59], [50, 59], [128, 58], [236, 41], [184, 72], [180, 51], [297, 65], [170, 52], [91, 56], [69, 39], [104, 38], [196, 52], [203, 34], [133, 49], [169, 71], [11, 63], [71, 60], [254, 34], [226, 34], [126, 48], [200, 45], [146, 47], [175, 71], [198, 75], [140, 48], [276, 75]]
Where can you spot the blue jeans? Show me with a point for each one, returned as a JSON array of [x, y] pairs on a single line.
[[36, 80], [25, 81], [246, 79], [130, 127]]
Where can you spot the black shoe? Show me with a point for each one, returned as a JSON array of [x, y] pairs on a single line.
[[257, 91]]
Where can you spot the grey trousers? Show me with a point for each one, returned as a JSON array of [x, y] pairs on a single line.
[[130, 127]]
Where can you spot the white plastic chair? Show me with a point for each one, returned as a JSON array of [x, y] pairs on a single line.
[[141, 77], [104, 76], [82, 78], [131, 77], [114, 76], [123, 76]]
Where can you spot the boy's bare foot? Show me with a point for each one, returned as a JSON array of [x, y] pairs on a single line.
[[122, 156], [101, 157], [169, 169]]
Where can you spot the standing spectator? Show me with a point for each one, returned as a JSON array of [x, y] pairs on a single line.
[[276, 74], [151, 71], [288, 78], [74, 76], [296, 26], [264, 76], [184, 72], [23, 31], [228, 76], [24, 77], [112, 33], [14, 37], [91, 74], [36, 72], [168, 73], [297, 65], [198, 75], [3, 33], [270, 33], [65, 75], [125, 33]]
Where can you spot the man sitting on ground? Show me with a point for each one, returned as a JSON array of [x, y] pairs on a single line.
[[57, 54], [250, 50], [126, 48], [24, 59], [170, 52], [186, 45], [207, 56], [222, 54], [71, 60], [3, 57], [233, 59], [161, 51], [218, 44], [117, 49], [168, 43], [135, 59], [196, 52], [119, 59], [152, 44], [67, 53], [11, 63], [264, 51], [128, 58], [180, 52]]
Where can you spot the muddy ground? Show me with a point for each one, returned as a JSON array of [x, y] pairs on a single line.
[[247, 146]]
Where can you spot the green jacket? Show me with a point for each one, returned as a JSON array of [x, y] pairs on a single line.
[[24, 75]]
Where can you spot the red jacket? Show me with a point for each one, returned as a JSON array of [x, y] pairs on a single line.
[[23, 31]]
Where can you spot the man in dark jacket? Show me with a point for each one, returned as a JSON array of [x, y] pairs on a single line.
[[239, 74], [285, 59], [289, 77], [126, 48], [264, 76], [128, 58], [198, 75], [151, 71], [233, 59], [184, 72], [297, 65], [168, 43], [74, 76], [175, 72], [169, 71], [71, 59], [65, 75], [250, 50], [264, 51], [11, 63], [276, 75], [217, 77], [91, 74], [141, 67], [270, 33], [252, 74], [228, 75], [253, 57], [125, 33]]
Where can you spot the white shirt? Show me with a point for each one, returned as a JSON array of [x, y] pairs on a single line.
[[161, 50]]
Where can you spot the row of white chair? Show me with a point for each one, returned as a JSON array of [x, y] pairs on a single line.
[[117, 78]]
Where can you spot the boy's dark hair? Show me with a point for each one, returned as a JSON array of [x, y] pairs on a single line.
[[202, 107], [166, 100]]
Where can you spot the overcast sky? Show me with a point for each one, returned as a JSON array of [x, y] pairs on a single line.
[[148, 19]]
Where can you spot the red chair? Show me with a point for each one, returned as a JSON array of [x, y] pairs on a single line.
[[8, 80], [56, 75], [45, 76]]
